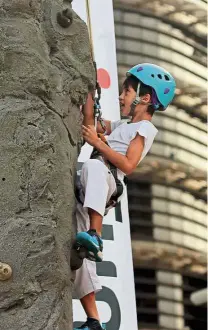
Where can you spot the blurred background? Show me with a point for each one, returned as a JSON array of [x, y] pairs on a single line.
[[167, 193]]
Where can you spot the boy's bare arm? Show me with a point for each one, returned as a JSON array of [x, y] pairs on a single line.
[[88, 116], [88, 111], [127, 163]]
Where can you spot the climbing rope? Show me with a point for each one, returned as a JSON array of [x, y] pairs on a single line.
[[97, 106]]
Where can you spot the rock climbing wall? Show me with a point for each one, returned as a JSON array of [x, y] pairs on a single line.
[[45, 73]]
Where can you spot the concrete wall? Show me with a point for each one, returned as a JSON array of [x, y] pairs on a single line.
[[46, 70]]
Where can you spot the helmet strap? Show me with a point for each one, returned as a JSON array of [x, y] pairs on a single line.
[[136, 101]]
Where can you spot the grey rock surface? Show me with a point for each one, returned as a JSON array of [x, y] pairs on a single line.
[[45, 73]]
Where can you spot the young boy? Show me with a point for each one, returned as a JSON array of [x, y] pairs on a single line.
[[146, 89]]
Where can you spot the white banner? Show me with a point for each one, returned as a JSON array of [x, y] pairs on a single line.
[[116, 302]]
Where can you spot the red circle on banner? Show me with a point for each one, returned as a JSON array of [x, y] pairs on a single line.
[[103, 78]]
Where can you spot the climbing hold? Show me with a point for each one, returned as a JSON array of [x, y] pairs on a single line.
[[5, 272], [65, 18], [77, 256]]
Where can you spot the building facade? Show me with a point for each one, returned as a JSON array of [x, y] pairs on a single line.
[[167, 192]]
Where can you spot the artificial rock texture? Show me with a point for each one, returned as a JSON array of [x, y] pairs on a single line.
[[45, 73]]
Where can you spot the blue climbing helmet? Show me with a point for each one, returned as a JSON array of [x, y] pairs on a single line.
[[160, 80]]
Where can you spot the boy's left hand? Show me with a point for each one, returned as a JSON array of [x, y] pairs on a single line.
[[90, 135]]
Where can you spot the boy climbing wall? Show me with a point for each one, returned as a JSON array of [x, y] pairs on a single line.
[[147, 88]]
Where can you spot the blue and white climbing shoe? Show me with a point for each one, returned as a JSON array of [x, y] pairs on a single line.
[[93, 244], [92, 324]]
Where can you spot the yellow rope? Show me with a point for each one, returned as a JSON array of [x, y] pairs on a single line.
[[89, 23]]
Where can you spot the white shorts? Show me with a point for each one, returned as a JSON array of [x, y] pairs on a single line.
[[98, 185]]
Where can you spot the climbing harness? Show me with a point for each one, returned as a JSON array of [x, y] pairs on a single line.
[[97, 155], [114, 199], [98, 118], [113, 169]]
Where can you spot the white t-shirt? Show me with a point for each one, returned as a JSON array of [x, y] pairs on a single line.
[[123, 133]]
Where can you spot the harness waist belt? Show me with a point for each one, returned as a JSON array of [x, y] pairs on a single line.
[[119, 186]]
